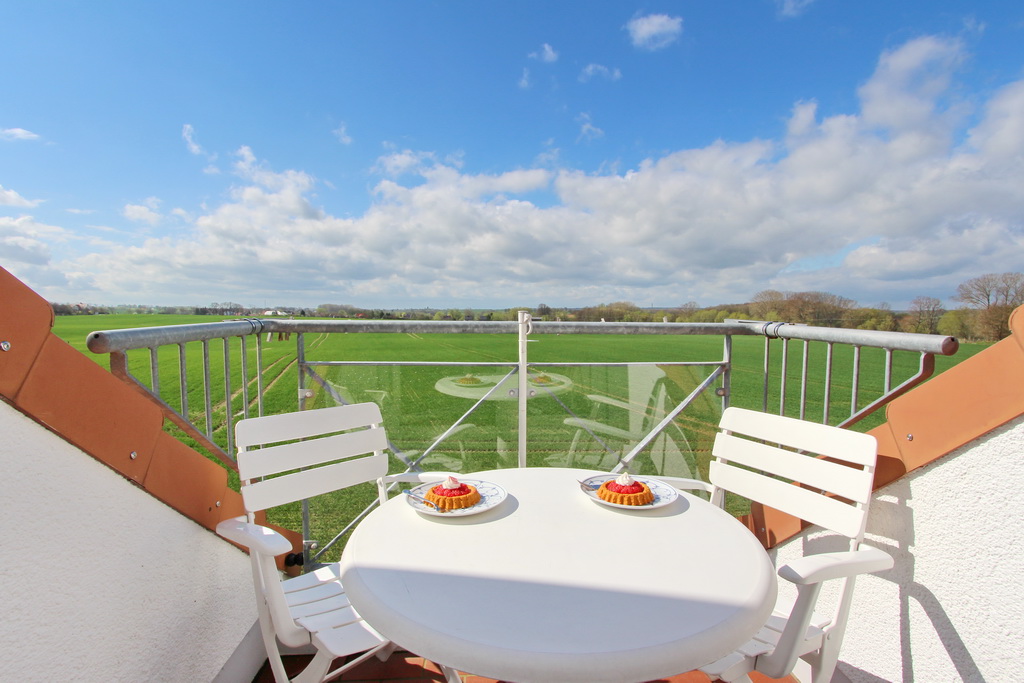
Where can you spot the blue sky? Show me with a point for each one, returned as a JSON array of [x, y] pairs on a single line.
[[495, 154]]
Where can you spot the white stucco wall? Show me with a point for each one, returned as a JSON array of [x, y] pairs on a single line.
[[101, 581], [952, 608]]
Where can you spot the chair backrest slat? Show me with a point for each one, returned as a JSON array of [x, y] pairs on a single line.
[[818, 473], [848, 482], [853, 447], [301, 424], [290, 456], [311, 453], [800, 502], [289, 488]]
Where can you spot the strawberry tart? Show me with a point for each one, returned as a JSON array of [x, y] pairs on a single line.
[[624, 490], [451, 494]]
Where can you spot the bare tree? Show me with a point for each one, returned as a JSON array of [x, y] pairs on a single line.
[[767, 304], [995, 295], [817, 308], [925, 312]]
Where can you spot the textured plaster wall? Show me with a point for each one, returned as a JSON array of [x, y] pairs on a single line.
[[102, 582], [953, 606]]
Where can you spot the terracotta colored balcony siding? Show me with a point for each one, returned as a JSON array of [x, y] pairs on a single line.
[[403, 666]]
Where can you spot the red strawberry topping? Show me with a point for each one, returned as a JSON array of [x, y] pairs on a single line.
[[440, 490], [635, 487]]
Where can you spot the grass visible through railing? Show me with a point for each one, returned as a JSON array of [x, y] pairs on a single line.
[[417, 409]]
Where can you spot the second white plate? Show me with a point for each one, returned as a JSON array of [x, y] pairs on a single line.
[[663, 493], [490, 495]]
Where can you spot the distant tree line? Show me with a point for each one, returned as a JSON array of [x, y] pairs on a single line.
[[987, 302]]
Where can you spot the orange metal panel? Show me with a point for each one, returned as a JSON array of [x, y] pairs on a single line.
[[890, 465], [187, 481], [959, 405], [91, 408], [231, 506], [1017, 325], [770, 525], [25, 322]]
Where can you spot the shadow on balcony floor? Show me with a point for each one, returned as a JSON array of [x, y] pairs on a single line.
[[406, 667]]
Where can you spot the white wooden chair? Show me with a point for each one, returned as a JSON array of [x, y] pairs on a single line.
[[760, 456], [290, 457]]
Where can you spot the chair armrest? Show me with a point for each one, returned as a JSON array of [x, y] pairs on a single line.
[[254, 537], [685, 484], [818, 568], [419, 477]]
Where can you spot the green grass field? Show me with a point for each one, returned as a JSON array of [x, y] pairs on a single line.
[[567, 425]]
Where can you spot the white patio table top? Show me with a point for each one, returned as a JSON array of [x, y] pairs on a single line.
[[550, 586]]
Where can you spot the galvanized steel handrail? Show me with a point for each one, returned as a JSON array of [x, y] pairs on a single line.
[[108, 341], [118, 342]]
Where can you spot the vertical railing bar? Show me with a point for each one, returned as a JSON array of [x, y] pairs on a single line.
[[727, 375], [245, 375], [888, 370], [259, 374], [183, 379], [828, 381], [154, 370], [207, 389], [766, 374], [803, 379], [300, 360], [785, 372], [228, 411], [525, 328], [856, 381]]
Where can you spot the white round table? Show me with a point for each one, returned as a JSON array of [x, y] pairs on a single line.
[[550, 586]]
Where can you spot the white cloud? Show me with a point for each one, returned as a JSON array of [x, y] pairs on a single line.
[[406, 161], [588, 131], [793, 8], [524, 80], [597, 70], [654, 31], [188, 135], [1000, 135], [546, 53], [873, 204], [143, 213], [909, 84], [26, 241], [17, 134], [341, 132], [12, 198]]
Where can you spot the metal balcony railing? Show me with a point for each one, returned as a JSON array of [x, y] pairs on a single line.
[[644, 415]]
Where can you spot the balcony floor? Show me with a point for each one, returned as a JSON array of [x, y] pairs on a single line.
[[406, 667]]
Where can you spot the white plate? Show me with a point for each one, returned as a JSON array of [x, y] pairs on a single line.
[[490, 496], [663, 493]]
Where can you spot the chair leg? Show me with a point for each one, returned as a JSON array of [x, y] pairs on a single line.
[[316, 669], [274, 657], [386, 651], [450, 674], [825, 666]]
